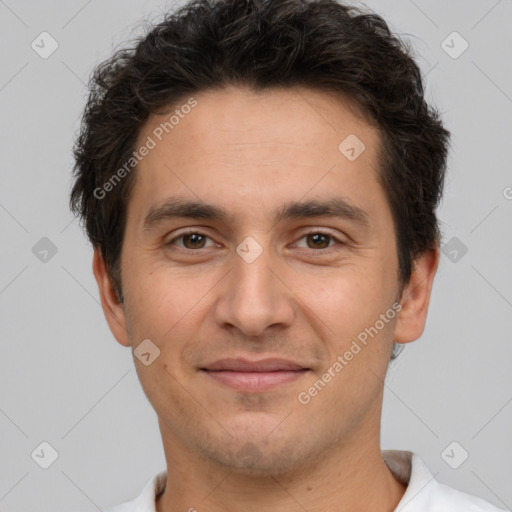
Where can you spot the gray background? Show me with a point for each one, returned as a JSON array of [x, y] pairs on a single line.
[[66, 381]]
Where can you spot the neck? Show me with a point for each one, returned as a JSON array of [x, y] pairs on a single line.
[[349, 477]]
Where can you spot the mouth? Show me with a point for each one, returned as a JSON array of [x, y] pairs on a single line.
[[254, 376]]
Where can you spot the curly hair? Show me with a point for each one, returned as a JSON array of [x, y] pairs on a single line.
[[210, 44]]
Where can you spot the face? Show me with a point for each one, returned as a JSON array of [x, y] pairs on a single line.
[[290, 253]]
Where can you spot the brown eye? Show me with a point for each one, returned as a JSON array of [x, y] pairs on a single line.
[[318, 240], [195, 240], [190, 241], [320, 243]]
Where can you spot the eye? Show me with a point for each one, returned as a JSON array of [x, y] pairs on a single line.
[[319, 241], [191, 240]]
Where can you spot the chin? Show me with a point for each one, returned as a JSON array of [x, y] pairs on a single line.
[[257, 457]]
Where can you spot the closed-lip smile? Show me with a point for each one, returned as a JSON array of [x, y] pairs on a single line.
[[254, 375]]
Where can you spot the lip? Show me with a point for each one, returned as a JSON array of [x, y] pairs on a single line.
[[254, 376], [240, 364], [255, 381]]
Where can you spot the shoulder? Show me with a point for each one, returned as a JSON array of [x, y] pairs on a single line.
[[424, 493], [436, 496], [444, 497], [145, 501]]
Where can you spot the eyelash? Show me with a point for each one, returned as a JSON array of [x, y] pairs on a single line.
[[316, 232]]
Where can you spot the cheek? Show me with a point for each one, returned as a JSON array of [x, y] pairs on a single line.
[[169, 308], [347, 316], [156, 302], [347, 296]]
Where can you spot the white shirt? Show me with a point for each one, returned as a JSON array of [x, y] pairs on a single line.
[[423, 493]]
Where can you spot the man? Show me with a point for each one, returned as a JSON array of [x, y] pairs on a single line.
[[259, 180]]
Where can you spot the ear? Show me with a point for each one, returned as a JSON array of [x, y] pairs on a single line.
[[416, 297], [112, 309]]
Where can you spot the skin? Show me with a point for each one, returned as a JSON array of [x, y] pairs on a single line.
[[250, 153]]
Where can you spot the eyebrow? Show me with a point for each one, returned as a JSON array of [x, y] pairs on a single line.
[[182, 208]]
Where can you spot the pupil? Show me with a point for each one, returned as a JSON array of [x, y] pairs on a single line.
[[316, 238], [194, 238]]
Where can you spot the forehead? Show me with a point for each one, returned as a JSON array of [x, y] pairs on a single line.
[[235, 115], [240, 147]]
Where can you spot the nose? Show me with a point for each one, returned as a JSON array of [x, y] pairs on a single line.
[[254, 296]]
